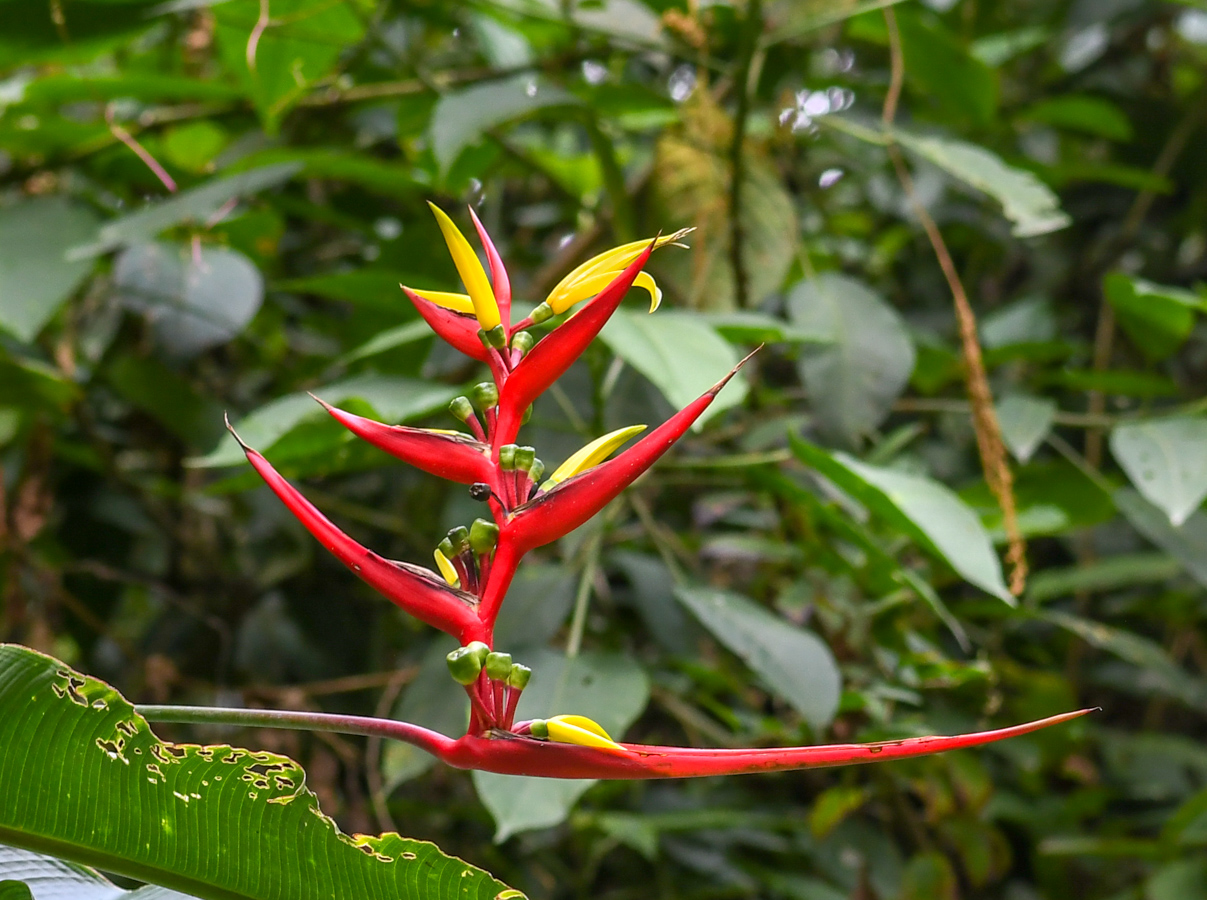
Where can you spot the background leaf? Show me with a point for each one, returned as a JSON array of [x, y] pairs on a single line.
[[1025, 422], [679, 353], [855, 378], [1026, 201], [35, 279], [792, 662], [1164, 459]]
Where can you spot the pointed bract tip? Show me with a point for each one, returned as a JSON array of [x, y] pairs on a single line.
[[321, 402], [231, 428], [716, 388]]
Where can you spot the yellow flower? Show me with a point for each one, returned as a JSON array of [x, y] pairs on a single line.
[[582, 731], [597, 273], [481, 295], [446, 569], [591, 455]]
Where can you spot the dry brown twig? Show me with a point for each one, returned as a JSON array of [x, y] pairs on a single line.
[[984, 417]]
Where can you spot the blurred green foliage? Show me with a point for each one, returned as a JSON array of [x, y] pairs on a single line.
[[1056, 143]]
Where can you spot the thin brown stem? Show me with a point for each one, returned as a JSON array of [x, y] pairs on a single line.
[[984, 419]]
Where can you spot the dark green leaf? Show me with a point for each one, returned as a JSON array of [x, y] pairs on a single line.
[[854, 380], [791, 662], [229, 823], [35, 279]]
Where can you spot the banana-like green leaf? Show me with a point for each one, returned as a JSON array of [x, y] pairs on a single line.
[[83, 778]]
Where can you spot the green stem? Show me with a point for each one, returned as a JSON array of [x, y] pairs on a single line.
[[583, 597]]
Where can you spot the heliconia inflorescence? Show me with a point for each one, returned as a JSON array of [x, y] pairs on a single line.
[[475, 565]]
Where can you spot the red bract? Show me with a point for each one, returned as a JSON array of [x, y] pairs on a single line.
[[549, 359], [412, 588], [458, 330], [455, 457], [510, 754], [477, 563], [571, 503]]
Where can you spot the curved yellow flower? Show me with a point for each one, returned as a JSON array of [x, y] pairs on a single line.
[[456, 302], [596, 273], [446, 569], [582, 731], [473, 276], [591, 455]]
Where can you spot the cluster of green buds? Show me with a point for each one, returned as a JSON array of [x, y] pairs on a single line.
[[464, 556], [493, 681], [520, 472]]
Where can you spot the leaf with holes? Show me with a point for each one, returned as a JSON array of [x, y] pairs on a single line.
[[90, 783], [1165, 460]]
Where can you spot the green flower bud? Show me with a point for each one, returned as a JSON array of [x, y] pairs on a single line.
[[483, 536], [519, 677], [486, 395], [459, 538], [498, 666], [536, 471], [446, 547], [464, 665], [542, 313], [507, 457], [461, 409], [522, 341], [538, 728], [496, 338], [479, 650], [524, 458], [527, 415]]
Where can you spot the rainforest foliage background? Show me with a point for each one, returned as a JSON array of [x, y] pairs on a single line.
[[971, 234]]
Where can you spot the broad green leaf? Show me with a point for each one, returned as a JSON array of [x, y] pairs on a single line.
[[930, 876], [996, 49], [215, 822], [35, 279], [192, 301], [1025, 422], [1118, 382], [395, 400], [52, 879], [759, 328], [372, 288], [340, 164], [792, 662], [679, 352], [391, 339], [462, 117], [194, 206], [1187, 543], [14, 890], [1183, 879], [854, 380], [168, 397], [59, 88], [833, 805], [538, 602], [1166, 459], [1026, 201], [1081, 112], [1110, 574], [925, 509], [299, 45], [1158, 318], [610, 688]]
